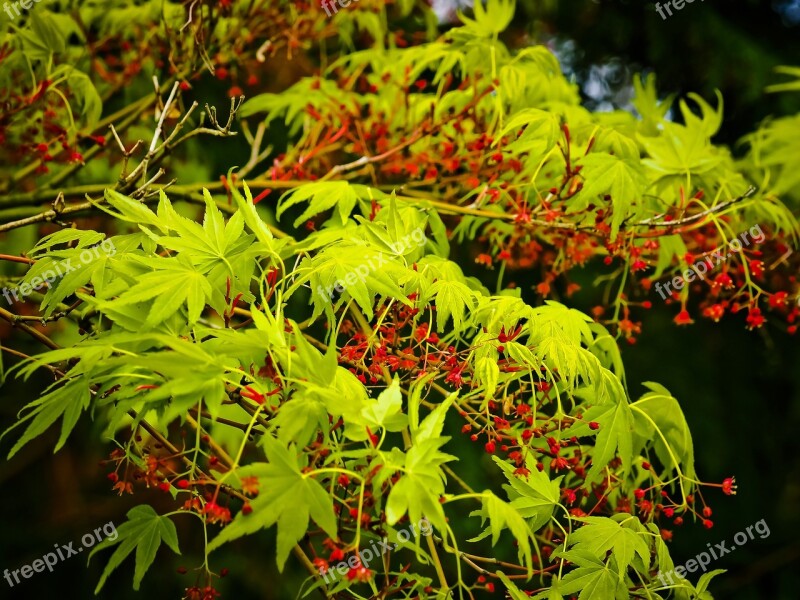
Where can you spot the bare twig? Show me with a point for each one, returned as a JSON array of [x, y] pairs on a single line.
[[714, 209]]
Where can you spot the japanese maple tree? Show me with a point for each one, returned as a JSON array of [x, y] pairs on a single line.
[[293, 341]]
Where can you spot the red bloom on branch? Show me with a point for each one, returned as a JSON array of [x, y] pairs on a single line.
[[715, 312], [729, 486], [359, 573], [754, 318], [253, 395], [336, 555], [778, 299]]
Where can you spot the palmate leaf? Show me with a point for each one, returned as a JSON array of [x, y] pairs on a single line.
[[418, 491], [680, 151], [540, 134], [144, 530], [361, 271], [173, 283], [555, 318], [614, 438], [67, 401], [515, 592], [601, 534], [217, 249], [287, 497], [623, 179], [501, 312], [593, 579], [659, 418], [453, 299], [558, 335], [490, 20], [324, 195], [535, 497], [503, 515]]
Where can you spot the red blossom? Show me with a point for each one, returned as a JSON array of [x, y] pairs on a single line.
[[359, 573], [729, 486], [715, 312], [754, 318]]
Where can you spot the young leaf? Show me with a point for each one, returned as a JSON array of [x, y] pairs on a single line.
[[503, 515], [593, 579], [615, 435], [534, 498], [67, 401], [601, 534], [287, 497], [661, 416], [144, 530], [623, 179]]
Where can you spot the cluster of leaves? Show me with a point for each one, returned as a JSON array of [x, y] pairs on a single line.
[[500, 139], [324, 373], [341, 436]]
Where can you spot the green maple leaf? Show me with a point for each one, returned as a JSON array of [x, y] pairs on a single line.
[[144, 530], [622, 179], [534, 497], [215, 247], [417, 492], [680, 151], [67, 401], [324, 195], [614, 437], [386, 411], [503, 515], [659, 418], [287, 497], [173, 283], [593, 579], [601, 534], [360, 270], [518, 594], [453, 298]]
